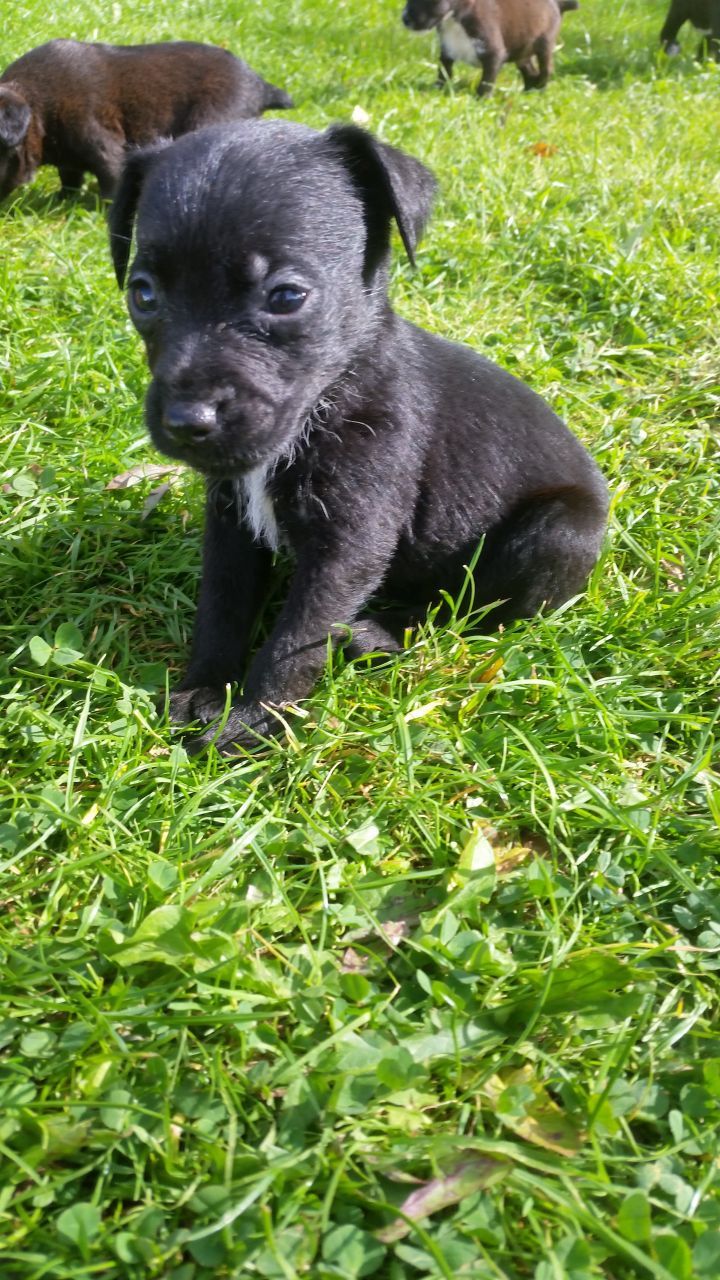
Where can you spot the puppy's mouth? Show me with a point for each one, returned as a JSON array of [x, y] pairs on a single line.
[[217, 444], [217, 461]]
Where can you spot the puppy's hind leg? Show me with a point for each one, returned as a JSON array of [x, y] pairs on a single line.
[[445, 70], [491, 62], [712, 42], [544, 53], [529, 72], [709, 48], [542, 554], [71, 180], [106, 158], [677, 16]]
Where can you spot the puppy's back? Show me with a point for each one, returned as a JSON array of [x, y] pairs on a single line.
[[147, 91], [522, 22], [180, 75]]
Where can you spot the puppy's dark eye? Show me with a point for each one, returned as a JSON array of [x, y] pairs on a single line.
[[142, 295], [285, 298]]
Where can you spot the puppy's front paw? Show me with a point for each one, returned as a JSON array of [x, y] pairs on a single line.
[[247, 727], [203, 704]]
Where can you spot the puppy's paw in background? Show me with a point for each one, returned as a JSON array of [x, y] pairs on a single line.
[[202, 704], [248, 727]]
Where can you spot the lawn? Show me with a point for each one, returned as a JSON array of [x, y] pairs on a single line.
[[430, 987]]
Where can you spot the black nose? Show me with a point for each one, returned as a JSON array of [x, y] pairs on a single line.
[[190, 421]]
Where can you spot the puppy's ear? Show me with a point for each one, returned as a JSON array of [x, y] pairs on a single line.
[[393, 185], [15, 117], [122, 210]]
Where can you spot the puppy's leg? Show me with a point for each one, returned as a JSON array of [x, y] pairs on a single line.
[[491, 62], [234, 580], [544, 53], [542, 554], [445, 69], [71, 180], [105, 158], [713, 40], [709, 46], [529, 72], [677, 16], [328, 590]]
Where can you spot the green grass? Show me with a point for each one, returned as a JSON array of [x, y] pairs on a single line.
[[457, 938]]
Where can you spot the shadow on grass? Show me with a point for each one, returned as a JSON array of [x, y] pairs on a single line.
[[615, 64], [31, 201], [130, 584]]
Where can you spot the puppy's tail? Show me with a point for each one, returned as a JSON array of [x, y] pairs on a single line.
[[566, 5], [276, 99]]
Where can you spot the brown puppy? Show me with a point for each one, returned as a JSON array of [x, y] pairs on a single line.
[[487, 33], [703, 14], [80, 106]]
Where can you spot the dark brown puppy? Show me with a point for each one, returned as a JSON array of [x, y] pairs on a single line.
[[80, 106], [704, 14], [488, 33]]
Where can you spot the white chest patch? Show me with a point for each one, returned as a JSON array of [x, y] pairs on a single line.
[[456, 42], [258, 510]]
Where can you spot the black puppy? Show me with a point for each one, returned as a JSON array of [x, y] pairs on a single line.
[[703, 14], [377, 453], [79, 106]]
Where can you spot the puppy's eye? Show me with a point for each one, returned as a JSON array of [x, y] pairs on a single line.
[[142, 295], [285, 298]]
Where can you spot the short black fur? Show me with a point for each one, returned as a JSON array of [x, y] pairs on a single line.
[[380, 455], [703, 14]]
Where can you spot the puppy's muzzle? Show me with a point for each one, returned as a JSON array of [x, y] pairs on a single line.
[[413, 23], [194, 422]]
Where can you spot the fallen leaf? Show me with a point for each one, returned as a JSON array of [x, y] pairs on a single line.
[[539, 1120], [352, 962], [469, 1175], [395, 930], [512, 857], [155, 496], [143, 471], [675, 574], [543, 149]]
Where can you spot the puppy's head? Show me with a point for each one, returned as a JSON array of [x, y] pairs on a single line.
[[15, 117], [260, 275], [423, 15]]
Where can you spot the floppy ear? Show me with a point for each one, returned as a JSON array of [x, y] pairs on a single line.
[[122, 210], [393, 185], [15, 117]]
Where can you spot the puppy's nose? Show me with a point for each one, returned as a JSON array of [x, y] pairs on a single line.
[[190, 421]]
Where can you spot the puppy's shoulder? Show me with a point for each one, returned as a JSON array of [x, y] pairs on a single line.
[[459, 364], [471, 393]]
